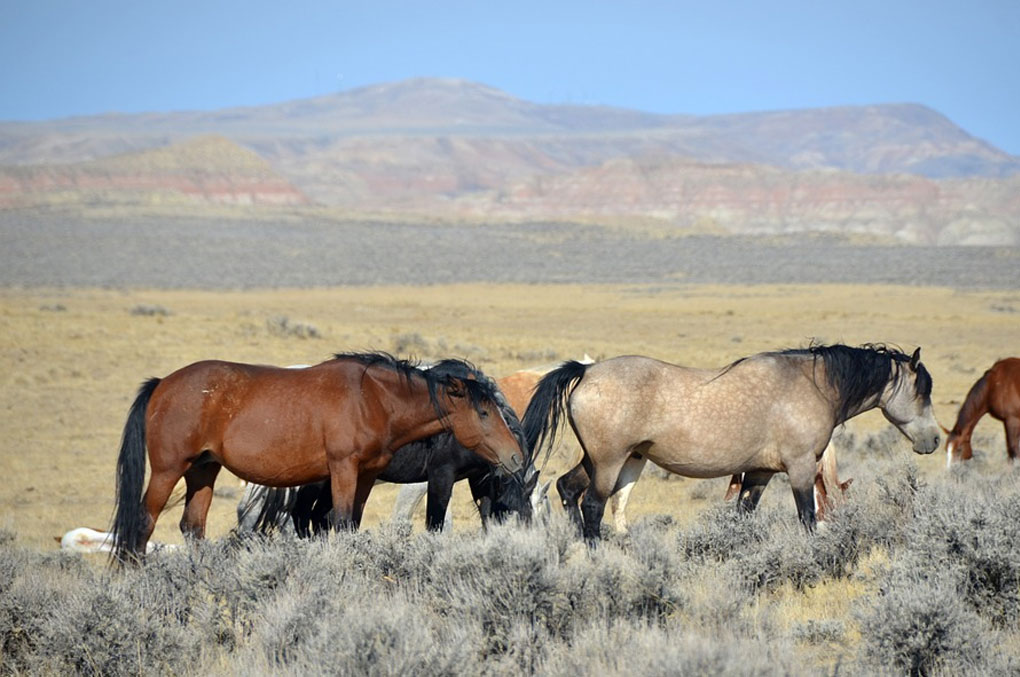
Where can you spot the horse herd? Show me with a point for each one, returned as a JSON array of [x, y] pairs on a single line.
[[312, 442]]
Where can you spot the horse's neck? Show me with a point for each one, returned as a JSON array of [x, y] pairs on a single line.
[[972, 409], [412, 413]]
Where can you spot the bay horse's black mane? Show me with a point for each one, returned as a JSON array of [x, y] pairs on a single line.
[[478, 387], [859, 374], [856, 374]]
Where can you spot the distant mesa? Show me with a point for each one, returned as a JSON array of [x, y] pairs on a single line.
[[444, 148], [206, 170]]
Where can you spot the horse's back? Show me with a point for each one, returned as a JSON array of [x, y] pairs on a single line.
[[698, 422], [1004, 388], [518, 388], [241, 413]]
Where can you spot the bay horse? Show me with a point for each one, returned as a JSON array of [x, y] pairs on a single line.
[[427, 467], [340, 420], [435, 462], [763, 414], [996, 393]]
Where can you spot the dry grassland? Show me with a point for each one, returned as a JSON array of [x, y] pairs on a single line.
[[72, 360]]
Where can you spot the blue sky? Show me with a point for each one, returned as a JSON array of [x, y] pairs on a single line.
[[962, 58]]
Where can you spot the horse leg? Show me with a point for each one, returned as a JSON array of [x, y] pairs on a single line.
[[343, 483], [310, 509], [440, 488], [751, 487], [802, 481], [736, 481], [629, 475], [161, 485], [1012, 425], [593, 505], [365, 484], [570, 487], [408, 498], [199, 479]]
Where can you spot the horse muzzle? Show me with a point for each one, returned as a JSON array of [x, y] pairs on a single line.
[[926, 445], [513, 465]]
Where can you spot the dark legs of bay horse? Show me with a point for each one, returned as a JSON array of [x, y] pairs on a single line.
[[199, 480], [344, 485], [157, 493], [1012, 438]]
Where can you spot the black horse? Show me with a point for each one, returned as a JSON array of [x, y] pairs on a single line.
[[440, 460]]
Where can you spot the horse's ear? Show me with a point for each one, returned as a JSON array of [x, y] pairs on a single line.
[[455, 388], [915, 359]]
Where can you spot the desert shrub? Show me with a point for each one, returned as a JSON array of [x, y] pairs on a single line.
[[355, 634], [393, 552], [918, 626], [114, 629], [281, 325], [411, 343], [507, 576], [720, 533], [29, 594], [820, 631], [150, 310], [973, 536], [630, 647]]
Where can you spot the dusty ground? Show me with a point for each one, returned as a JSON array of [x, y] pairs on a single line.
[[72, 359]]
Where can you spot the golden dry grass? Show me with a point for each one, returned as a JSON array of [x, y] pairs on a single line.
[[70, 374]]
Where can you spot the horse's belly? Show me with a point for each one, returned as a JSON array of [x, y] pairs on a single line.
[[273, 458], [705, 462]]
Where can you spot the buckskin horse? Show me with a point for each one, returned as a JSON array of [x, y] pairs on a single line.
[[340, 420], [996, 393], [763, 414]]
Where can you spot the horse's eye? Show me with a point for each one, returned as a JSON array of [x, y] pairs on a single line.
[[483, 413]]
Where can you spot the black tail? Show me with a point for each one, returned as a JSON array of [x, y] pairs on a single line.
[[542, 419], [130, 521], [269, 509]]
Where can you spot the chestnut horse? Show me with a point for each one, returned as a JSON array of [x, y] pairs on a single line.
[[340, 420], [996, 393], [763, 414]]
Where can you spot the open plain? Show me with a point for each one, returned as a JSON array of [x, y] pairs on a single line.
[[87, 312], [97, 307]]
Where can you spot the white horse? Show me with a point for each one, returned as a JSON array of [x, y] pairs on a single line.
[[83, 539]]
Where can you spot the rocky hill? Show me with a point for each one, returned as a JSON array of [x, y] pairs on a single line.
[[205, 170], [757, 199], [452, 148]]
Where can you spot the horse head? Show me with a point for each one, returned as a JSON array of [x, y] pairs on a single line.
[[474, 412], [906, 402], [957, 447]]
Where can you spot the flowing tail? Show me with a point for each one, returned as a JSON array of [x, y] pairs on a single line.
[[549, 401], [130, 521]]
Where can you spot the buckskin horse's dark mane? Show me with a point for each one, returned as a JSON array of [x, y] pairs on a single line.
[[856, 374], [859, 374]]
